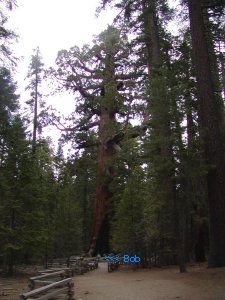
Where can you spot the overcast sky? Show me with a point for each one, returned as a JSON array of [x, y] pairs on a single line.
[[56, 24], [53, 25]]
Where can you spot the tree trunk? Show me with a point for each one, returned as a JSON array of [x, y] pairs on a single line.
[[222, 66], [200, 244], [84, 213], [10, 254], [104, 172], [100, 229], [210, 125], [35, 113]]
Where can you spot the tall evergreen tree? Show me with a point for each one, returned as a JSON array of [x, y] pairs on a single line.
[[211, 124], [102, 75], [12, 147], [68, 215], [6, 35], [35, 75]]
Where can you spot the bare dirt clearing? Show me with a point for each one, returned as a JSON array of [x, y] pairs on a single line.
[[155, 284]]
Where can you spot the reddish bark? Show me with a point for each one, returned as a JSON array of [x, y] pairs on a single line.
[[100, 229], [103, 194]]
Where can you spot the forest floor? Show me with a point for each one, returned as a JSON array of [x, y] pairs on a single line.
[[12, 287], [144, 284]]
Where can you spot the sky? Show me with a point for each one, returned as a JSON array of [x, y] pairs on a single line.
[[53, 25], [56, 24]]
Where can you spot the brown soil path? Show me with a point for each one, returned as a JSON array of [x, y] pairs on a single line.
[[11, 288], [156, 284]]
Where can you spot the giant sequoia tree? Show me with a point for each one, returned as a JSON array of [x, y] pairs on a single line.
[[102, 76]]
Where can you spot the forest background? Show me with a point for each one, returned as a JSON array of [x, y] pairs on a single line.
[[146, 171]]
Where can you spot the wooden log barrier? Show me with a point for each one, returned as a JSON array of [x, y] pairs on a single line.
[[73, 264], [33, 282], [65, 286], [69, 271]]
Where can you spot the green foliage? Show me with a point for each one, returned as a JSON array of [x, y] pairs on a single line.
[[75, 194], [36, 103], [67, 237], [129, 220], [84, 170], [6, 35]]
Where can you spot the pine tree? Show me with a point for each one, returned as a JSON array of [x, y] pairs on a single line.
[[6, 35], [26, 186], [68, 215], [10, 207], [211, 124], [129, 203], [8, 105], [35, 75], [12, 147]]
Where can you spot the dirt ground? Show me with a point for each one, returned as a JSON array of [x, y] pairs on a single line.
[[11, 288], [155, 284]]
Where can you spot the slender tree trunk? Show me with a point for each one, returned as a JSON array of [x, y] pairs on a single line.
[[222, 68], [181, 202], [10, 262], [210, 125], [84, 208], [200, 244], [3, 148], [196, 189], [154, 58], [35, 113]]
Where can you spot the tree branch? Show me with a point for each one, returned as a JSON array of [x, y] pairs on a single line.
[[133, 133], [129, 76], [88, 126], [86, 145]]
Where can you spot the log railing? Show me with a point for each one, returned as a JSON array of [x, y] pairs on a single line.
[[65, 286], [77, 264], [69, 272], [45, 279]]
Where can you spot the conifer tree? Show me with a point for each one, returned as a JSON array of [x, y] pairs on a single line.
[[211, 125], [68, 220], [102, 75], [129, 203], [35, 74], [12, 147], [6, 35]]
